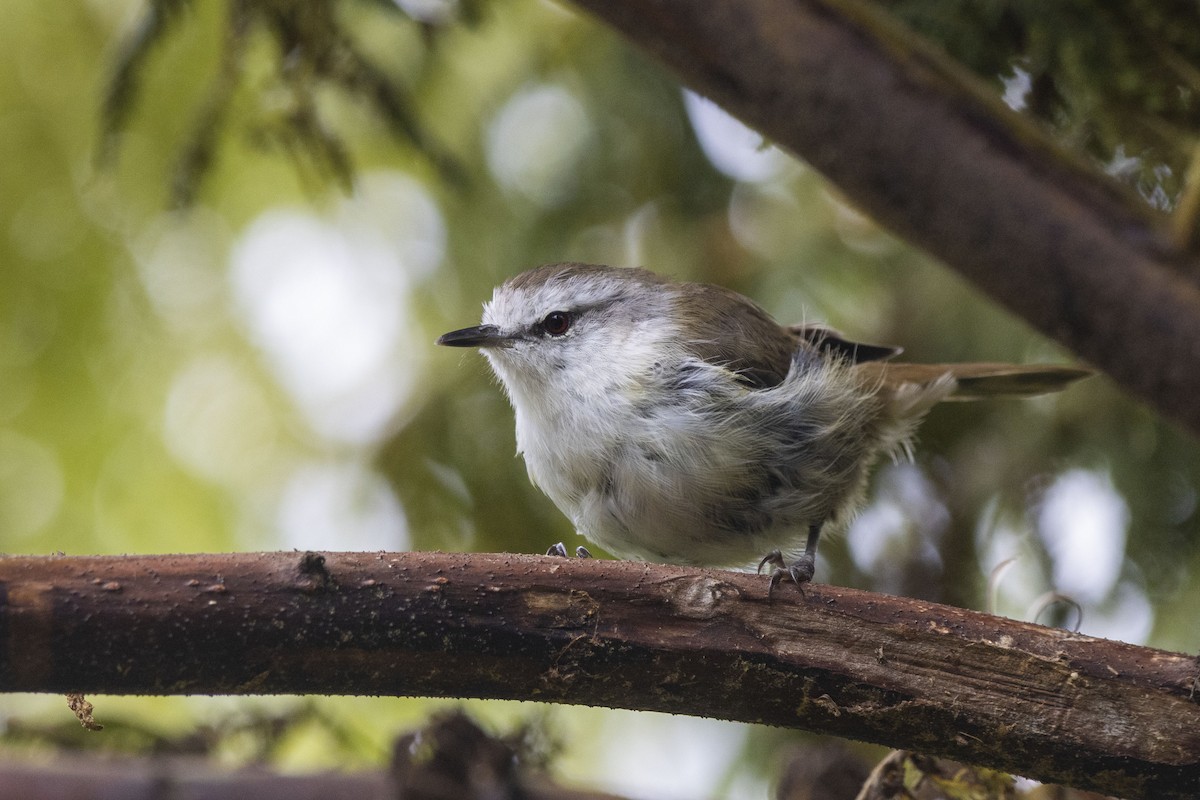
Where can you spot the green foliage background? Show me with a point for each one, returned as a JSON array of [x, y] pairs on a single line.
[[111, 301]]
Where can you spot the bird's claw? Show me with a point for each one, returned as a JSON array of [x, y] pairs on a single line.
[[774, 558], [800, 572], [560, 550]]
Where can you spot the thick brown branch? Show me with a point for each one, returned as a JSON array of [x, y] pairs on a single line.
[[1042, 702], [947, 166]]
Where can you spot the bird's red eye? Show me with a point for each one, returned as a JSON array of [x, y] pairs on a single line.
[[557, 323]]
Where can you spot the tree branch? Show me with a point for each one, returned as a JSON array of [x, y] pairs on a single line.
[[936, 156], [1046, 703]]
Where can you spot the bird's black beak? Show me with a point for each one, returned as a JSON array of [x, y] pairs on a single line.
[[479, 336]]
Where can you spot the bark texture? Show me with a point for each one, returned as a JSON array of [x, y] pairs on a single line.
[[937, 157], [1045, 703]]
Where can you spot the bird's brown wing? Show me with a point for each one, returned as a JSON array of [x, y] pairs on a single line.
[[742, 337], [739, 335]]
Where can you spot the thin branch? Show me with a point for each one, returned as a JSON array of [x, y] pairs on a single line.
[[937, 157], [1046, 703]]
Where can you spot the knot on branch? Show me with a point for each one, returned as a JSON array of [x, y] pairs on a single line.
[[698, 596], [314, 575]]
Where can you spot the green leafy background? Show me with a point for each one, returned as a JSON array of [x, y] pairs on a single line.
[[256, 370]]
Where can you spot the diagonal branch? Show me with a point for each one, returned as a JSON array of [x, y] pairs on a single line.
[[940, 160], [1041, 702]]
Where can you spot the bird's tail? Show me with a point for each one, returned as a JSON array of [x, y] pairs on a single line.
[[976, 381]]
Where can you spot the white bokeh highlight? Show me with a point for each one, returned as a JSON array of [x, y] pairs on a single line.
[[340, 505], [1017, 87], [905, 516], [218, 423], [536, 142], [431, 12], [326, 301], [179, 259], [734, 149], [1083, 521], [634, 751], [31, 485]]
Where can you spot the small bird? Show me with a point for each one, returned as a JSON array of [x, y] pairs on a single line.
[[678, 422]]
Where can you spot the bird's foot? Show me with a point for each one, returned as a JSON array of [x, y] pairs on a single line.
[[560, 550], [799, 572]]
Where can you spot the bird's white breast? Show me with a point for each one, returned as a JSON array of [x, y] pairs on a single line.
[[573, 418]]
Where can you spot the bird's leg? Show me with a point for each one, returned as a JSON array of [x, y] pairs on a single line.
[[560, 550], [801, 571]]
